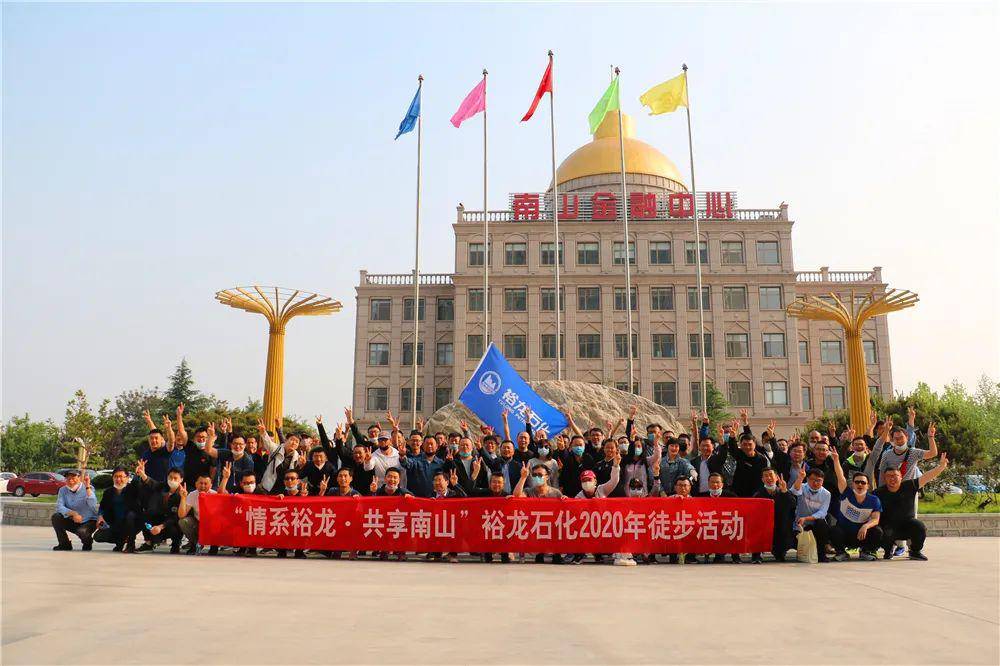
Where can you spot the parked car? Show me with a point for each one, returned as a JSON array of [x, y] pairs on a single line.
[[36, 483], [4, 478], [90, 472], [976, 484]]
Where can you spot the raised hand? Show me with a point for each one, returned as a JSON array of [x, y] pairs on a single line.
[[931, 430], [211, 430], [770, 427], [524, 470], [943, 460], [223, 426], [349, 415], [477, 464], [559, 463], [453, 478], [656, 468], [632, 412], [463, 425], [227, 469], [617, 457], [319, 419], [86, 480], [180, 410], [140, 469], [835, 455], [745, 416], [324, 484], [782, 484], [911, 414], [420, 424], [373, 487], [167, 424], [260, 426], [182, 489], [504, 414]]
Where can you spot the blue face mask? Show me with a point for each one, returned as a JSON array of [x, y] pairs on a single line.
[[465, 454], [638, 450], [577, 450], [538, 479], [651, 437], [200, 445], [543, 450]]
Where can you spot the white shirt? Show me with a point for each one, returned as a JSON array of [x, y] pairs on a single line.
[[192, 501]]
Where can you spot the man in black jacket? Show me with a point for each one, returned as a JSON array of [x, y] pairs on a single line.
[[161, 507], [572, 462], [468, 467], [710, 460], [317, 469], [716, 483], [119, 512], [776, 489], [749, 466]]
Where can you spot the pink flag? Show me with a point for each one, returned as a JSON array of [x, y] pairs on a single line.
[[473, 103]]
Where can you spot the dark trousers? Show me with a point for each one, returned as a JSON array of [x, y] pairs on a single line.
[[911, 529], [843, 539], [63, 526], [121, 532], [170, 531], [780, 544], [821, 531]]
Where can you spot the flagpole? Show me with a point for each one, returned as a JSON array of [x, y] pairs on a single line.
[[416, 269], [697, 249], [486, 238], [628, 274], [555, 218]]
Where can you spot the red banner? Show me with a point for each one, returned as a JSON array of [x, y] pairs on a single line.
[[408, 524]]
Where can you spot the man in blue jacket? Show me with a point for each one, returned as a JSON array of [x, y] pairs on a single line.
[[420, 469], [76, 512]]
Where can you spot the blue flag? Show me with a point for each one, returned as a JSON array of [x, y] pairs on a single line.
[[496, 386], [410, 120]]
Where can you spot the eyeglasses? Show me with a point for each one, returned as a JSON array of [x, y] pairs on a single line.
[[861, 482]]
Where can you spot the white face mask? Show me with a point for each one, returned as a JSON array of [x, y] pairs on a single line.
[[770, 488], [588, 486], [899, 449], [173, 484], [636, 492], [249, 488], [715, 492], [119, 486], [390, 488]]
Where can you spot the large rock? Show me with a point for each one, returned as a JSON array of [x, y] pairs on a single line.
[[588, 404]]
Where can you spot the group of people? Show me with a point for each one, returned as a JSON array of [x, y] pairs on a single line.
[[856, 490]]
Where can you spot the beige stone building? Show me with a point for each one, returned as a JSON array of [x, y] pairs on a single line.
[[775, 365]]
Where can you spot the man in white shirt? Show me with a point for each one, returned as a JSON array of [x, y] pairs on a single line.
[[187, 512]]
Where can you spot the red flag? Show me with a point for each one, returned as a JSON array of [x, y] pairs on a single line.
[[544, 87]]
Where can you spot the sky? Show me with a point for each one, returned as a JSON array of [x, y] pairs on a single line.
[[155, 154]]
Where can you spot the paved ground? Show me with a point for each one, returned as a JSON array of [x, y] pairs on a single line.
[[104, 607]]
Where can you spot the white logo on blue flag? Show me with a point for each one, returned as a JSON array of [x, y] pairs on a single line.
[[489, 383]]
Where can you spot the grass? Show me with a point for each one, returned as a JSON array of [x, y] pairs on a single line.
[[954, 504]]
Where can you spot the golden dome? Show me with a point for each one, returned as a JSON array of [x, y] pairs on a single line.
[[602, 155]]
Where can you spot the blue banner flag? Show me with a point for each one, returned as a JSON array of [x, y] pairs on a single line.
[[410, 120], [496, 386]]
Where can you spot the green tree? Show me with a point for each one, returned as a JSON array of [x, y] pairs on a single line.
[[131, 435], [182, 389], [86, 433], [718, 411], [29, 446]]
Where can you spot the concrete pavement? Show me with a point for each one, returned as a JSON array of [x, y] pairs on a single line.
[[162, 609]]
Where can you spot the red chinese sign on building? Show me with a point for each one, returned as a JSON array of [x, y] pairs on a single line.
[[606, 206]]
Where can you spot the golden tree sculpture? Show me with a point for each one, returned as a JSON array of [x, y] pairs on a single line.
[[852, 319], [278, 305]]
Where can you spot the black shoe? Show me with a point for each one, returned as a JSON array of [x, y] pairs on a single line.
[[213, 550], [118, 548], [756, 559], [175, 548], [673, 559], [282, 554], [690, 559], [300, 555], [239, 552], [63, 546], [917, 555], [539, 559], [599, 559], [146, 547], [822, 559], [87, 545], [504, 558], [557, 559], [251, 552], [488, 558], [887, 555], [779, 558], [735, 559], [717, 559]]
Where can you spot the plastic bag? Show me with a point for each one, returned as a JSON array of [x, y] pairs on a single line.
[[805, 549]]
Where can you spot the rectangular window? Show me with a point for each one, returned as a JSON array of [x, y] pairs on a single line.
[[442, 396], [833, 397], [549, 299], [549, 345], [767, 253], [475, 254], [475, 300], [664, 345], [739, 394], [588, 298], [547, 255], [381, 309], [660, 253], [408, 309], [807, 400], [515, 254], [623, 386], [732, 253], [378, 353], [661, 298], [445, 353], [408, 354], [737, 345], [446, 309], [621, 345], [830, 351], [770, 298], [588, 254], [774, 345], [706, 298], [689, 257], [734, 298], [515, 300], [694, 347], [696, 394], [620, 298], [515, 346], [617, 255], [588, 345], [775, 393], [804, 352], [378, 399], [474, 346], [870, 357], [665, 393], [405, 394]]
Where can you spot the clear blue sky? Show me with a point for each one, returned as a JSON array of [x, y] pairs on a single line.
[[153, 154]]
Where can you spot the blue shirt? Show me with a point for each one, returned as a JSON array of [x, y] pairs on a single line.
[[852, 514], [420, 473], [177, 458], [83, 501]]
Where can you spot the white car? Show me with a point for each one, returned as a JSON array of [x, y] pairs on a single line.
[[4, 478]]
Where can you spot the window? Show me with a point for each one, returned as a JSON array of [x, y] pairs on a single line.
[[807, 400], [664, 345], [661, 298], [617, 255], [623, 386], [515, 300], [830, 351], [588, 254], [442, 396], [737, 345], [549, 299], [620, 298], [774, 345], [515, 346], [476, 251], [408, 353], [734, 298], [696, 394], [408, 309], [549, 345], [665, 393], [588, 298], [660, 253], [767, 253], [474, 346], [378, 399], [770, 298], [515, 254], [833, 397], [689, 257], [588, 345], [804, 352], [445, 353], [706, 298], [381, 309], [732, 253], [621, 345], [695, 349], [739, 394], [446, 309], [548, 254], [870, 357], [475, 300], [775, 393], [405, 395], [378, 353]]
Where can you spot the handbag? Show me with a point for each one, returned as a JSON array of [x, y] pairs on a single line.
[[805, 548]]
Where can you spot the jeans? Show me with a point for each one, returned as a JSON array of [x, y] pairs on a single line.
[[189, 526], [62, 525], [911, 529], [120, 533]]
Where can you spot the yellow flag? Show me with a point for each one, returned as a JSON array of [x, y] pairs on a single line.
[[667, 96]]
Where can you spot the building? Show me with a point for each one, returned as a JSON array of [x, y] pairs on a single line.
[[775, 365]]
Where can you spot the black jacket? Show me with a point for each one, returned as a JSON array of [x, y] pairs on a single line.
[[725, 493], [468, 483], [784, 509], [746, 478], [131, 495], [569, 475]]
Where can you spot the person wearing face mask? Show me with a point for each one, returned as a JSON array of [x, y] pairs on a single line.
[[682, 490], [420, 469], [198, 459], [506, 465], [247, 485], [187, 512], [855, 461], [858, 512], [716, 488], [572, 462], [539, 487], [235, 456], [821, 459], [900, 454], [612, 458], [776, 490], [812, 507], [636, 489], [119, 510], [468, 468], [543, 456], [590, 488], [76, 512], [160, 517], [674, 466], [292, 487]]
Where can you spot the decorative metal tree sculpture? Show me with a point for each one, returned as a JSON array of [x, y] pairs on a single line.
[[852, 319], [278, 305]]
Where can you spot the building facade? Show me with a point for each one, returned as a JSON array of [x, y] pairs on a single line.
[[776, 366]]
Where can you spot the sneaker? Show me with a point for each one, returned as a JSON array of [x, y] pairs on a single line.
[[146, 547], [300, 555], [842, 557], [557, 559], [251, 552], [118, 548], [576, 560], [401, 557], [717, 559], [129, 548], [626, 561], [672, 558], [453, 559], [690, 559], [87, 545], [867, 557], [887, 555], [61, 546], [175, 548], [917, 555], [756, 559], [282, 554], [898, 551], [736, 559]]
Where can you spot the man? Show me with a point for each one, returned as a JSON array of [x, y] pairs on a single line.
[[119, 511], [710, 460], [468, 468], [385, 456], [855, 462], [572, 463], [235, 456], [247, 485], [901, 453], [76, 512], [187, 512], [317, 469], [750, 466], [494, 488], [611, 460], [539, 488], [157, 456], [420, 469], [681, 489], [812, 507], [507, 466], [857, 513], [160, 518], [898, 497], [374, 430], [716, 488], [821, 459], [280, 458], [197, 457], [589, 489], [392, 486], [776, 489]]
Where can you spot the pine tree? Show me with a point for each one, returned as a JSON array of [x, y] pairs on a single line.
[[182, 389]]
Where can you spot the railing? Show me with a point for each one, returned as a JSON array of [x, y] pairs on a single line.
[[741, 214], [824, 274], [403, 279]]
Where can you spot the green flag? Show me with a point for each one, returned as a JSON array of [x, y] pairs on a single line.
[[608, 102]]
